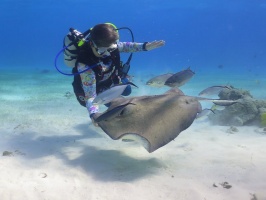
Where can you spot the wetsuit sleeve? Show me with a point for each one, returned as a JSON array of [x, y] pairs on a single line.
[[89, 86], [131, 46]]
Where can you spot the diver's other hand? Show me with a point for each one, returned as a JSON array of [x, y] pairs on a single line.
[[155, 44], [93, 117]]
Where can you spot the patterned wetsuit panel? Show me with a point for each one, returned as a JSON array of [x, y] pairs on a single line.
[[88, 78]]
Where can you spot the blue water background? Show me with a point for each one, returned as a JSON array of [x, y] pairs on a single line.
[[213, 37]]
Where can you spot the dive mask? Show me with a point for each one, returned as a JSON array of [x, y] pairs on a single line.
[[104, 50]]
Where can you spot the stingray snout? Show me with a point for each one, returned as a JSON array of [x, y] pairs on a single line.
[[199, 107], [189, 101]]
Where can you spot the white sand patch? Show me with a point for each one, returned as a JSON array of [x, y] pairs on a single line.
[[52, 151]]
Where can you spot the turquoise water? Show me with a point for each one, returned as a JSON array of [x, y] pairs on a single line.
[[203, 35], [48, 132], [222, 41]]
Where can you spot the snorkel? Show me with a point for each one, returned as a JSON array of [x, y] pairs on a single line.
[[80, 40]]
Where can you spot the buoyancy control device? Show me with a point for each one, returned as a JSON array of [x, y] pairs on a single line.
[[72, 43]]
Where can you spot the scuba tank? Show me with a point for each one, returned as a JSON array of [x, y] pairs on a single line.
[[71, 47], [72, 41]]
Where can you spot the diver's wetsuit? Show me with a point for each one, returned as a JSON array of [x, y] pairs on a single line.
[[105, 73]]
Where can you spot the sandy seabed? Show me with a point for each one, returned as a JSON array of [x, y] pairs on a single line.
[[51, 151]]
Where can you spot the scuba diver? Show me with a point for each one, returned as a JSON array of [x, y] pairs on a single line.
[[95, 58]]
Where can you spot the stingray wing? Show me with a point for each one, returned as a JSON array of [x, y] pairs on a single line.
[[156, 119]]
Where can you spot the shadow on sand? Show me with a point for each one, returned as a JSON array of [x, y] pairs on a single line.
[[92, 157]]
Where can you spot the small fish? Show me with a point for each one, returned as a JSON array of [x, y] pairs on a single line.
[[109, 114], [158, 81], [110, 94], [213, 90], [180, 78], [216, 107], [221, 102], [204, 112]]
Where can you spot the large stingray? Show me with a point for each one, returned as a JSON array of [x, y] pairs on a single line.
[[152, 120]]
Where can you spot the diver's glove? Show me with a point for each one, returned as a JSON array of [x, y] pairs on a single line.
[[93, 116], [147, 46], [93, 109]]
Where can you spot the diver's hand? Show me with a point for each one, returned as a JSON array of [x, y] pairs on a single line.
[[93, 116], [155, 44]]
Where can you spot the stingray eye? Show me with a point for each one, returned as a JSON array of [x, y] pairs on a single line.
[[128, 109]]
